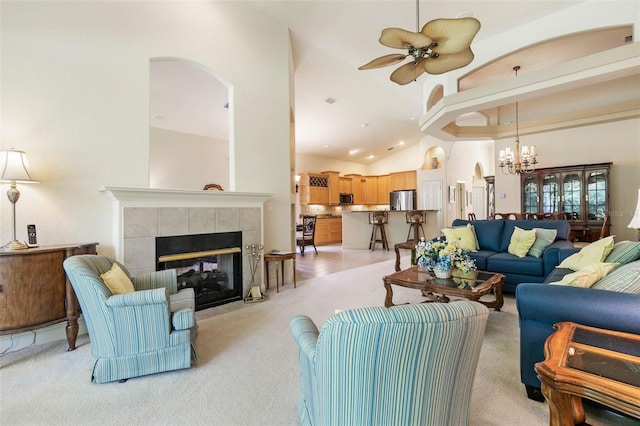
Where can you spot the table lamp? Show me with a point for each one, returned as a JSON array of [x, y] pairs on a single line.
[[635, 221], [14, 168]]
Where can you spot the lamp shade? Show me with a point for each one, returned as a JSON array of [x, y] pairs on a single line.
[[635, 221], [14, 166]]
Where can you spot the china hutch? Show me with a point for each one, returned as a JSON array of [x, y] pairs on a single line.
[[578, 193]]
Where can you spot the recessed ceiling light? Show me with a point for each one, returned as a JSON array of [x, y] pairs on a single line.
[[464, 15], [412, 118], [157, 117], [364, 124], [353, 151], [371, 156], [401, 143], [326, 146], [330, 101]]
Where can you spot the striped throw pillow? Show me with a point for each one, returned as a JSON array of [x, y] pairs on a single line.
[[625, 279], [624, 252]]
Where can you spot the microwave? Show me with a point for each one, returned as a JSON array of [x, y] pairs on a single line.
[[346, 198]]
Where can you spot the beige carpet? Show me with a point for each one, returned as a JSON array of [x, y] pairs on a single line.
[[248, 369]]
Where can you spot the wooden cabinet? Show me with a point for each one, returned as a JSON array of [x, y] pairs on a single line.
[[328, 230], [371, 190], [357, 186], [579, 192], [333, 182], [403, 180], [383, 190], [346, 185], [313, 189], [35, 292]]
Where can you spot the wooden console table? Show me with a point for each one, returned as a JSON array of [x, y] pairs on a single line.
[[587, 362], [35, 291]]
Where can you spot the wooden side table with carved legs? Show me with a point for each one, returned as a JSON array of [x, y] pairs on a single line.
[[279, 257]]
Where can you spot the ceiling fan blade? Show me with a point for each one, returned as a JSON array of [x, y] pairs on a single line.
[[452, 35], [402, 39], [408, 72], [445, 63], [384, 61]]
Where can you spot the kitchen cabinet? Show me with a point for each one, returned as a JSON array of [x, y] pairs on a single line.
[[357, 185], [383, 189], [333, 182], [371, 190], [346, 185], [328, 230], [313, 189], [403, 180]]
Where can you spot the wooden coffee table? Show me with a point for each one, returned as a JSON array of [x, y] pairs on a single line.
[[587, 362], [439, 289]]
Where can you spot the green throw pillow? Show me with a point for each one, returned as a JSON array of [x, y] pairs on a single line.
[[521, 242], [544, 238], [624, 252]]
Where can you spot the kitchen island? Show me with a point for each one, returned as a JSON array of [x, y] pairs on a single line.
[[356, 229]]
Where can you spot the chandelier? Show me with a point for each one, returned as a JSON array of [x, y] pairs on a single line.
[[518, 161]]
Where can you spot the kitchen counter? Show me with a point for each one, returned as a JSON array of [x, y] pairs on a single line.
[[356, 229]]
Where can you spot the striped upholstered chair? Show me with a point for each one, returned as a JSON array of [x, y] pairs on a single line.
[[149, 330], [405, 365]]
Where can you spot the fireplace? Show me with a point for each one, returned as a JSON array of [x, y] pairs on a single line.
[[210, 263]]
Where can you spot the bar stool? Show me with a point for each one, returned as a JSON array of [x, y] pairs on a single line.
[[378, 220], [415, 219]]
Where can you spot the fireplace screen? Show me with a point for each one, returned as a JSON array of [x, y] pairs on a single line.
[[215, 274]]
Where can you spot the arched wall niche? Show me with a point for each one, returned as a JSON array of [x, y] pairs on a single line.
[[433, 158], [189, 125], [437, 93], [478, 174]]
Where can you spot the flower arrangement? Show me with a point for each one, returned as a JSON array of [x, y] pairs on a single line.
[[446, 254]]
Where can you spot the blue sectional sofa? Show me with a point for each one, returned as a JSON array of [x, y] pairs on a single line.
[[494, 237], [541, 305]]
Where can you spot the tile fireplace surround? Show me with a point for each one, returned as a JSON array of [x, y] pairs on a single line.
[[140, 215]]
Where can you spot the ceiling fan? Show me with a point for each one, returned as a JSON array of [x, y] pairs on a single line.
[[443, 45]]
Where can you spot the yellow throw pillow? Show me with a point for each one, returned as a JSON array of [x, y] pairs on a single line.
[[117, 281], [465, 235], [521, 241], [587, 276], [597, 251]]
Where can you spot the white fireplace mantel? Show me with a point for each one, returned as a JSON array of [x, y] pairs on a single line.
[[144, 197]]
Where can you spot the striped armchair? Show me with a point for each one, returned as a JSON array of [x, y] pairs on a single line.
[[405, 365], [133, 334]]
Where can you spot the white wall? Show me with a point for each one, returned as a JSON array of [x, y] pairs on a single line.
[[180, 160], [315, 164], [75, 97]]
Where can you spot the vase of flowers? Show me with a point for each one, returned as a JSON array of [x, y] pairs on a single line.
[[441, 257]]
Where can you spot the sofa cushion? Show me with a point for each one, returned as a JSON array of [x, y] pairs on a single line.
[[586, 277], [597, 251], [508, 263], [521, 242], [481, 257], [465, 235], [544, 238], [625, 279], [488, 232], [624, 252]]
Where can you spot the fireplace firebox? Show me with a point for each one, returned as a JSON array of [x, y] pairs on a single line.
[[211, 264]]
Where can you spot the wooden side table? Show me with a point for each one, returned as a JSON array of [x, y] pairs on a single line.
[[587, 362], [280, 257], [35, 291]]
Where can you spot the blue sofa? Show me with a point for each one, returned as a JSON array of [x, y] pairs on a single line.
[[540, 306], [493, 238]]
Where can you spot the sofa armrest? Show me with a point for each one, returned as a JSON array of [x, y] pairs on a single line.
[[551, 255], [540, 306], [305, 334]]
